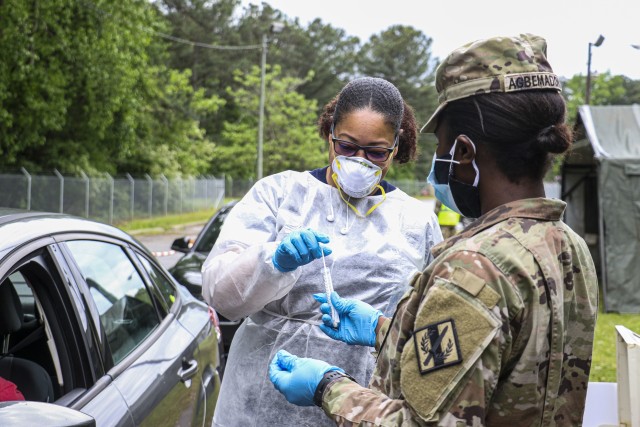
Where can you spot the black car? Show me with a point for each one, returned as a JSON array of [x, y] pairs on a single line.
[[90, 323], [187, 270]]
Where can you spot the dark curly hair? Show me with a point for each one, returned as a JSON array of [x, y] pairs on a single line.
[[520, 130], [376, 95]]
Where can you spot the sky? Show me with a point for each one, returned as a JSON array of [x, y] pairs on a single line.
[[567, 25]]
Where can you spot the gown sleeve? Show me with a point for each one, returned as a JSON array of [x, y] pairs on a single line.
[[238, 276]]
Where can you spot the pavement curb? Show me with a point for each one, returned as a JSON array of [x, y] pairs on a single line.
[[185, 225], [161, 230], [141, 231]]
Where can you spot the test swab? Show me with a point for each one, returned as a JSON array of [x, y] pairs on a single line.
[[328, 289]]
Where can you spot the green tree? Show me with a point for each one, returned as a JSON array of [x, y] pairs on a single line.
[[170, 138], [83, 87], [291, 139], [605, 90], [402, 55], [206, 22], [631, 92], [78, 63], [210, 24], [323, 56], [33, 74]]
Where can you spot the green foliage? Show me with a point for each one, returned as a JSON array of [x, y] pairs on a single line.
[[79, 91], [95, 86], [32, 74], [605, 90], [402, 55], [603, 366], [290, 136], [162, 224], [632, 92], [170, 138], [212, 23], [79, 67], [323, 56]]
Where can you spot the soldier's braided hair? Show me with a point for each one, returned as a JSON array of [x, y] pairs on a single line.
[[381, 96]]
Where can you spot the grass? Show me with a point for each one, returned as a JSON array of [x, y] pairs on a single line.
[[603, 368], [160, 224]]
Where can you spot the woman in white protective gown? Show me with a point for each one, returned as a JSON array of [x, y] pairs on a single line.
[[267, 262]]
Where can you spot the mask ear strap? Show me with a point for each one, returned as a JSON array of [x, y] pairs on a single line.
[[452, 152], [475, 166], [473, 162], [450, 161]]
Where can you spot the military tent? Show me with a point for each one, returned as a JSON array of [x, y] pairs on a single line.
[[601, 185]]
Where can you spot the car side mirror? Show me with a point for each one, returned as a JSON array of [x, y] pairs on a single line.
[[182, 244], [28, 413]]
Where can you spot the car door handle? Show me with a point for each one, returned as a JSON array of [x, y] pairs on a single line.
[[188, 369]]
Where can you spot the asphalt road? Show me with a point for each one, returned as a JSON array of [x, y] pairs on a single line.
[[160, 244]]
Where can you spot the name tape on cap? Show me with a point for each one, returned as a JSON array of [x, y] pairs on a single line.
[[528, 81]]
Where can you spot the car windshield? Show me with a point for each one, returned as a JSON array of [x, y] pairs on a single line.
[[211, 233]]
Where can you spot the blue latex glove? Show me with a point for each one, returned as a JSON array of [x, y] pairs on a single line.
[[358, 320], [297, 377], [298, 248]]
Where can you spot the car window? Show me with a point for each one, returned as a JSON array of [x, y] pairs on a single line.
[[166, 288], [126, 310], [212, 232], [24, 293]]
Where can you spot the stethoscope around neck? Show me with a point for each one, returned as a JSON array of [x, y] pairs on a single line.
[[331, 216]]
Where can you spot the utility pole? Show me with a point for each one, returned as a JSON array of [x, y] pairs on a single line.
[[598, 42], [263, 68], [276, 27]]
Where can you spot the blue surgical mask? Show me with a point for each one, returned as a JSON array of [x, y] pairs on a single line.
[[442, 190], [441, 178]]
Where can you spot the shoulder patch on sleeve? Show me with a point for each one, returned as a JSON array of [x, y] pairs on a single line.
[[432, 371], [437, 346]]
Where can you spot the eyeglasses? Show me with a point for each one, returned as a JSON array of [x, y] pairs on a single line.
[[374, 154]]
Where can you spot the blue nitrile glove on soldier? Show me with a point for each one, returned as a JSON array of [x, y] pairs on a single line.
[[358, 320], [298, 248], [297, 377]]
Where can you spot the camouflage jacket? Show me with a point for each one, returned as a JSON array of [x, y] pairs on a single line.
[[497, 331]]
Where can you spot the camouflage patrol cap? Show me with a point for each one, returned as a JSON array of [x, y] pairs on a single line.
[[497, 64]]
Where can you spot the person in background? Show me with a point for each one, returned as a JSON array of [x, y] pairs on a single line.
[[448, 219], [498, 330], [271, 254]]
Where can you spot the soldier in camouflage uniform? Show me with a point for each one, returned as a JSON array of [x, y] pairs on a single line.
[[498, 330]]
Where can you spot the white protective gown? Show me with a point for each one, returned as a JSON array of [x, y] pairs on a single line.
[[373, 262]]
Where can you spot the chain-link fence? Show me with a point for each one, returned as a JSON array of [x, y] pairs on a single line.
[[412, 187], [117, 199], [236, 188], [415, 188], [110, 199]]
